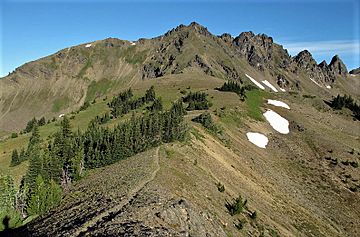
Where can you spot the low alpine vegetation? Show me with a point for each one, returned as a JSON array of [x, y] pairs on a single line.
[[220, 187], [240, 224], [236, 206]]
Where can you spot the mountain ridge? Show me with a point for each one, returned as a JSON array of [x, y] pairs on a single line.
[[67, 78]]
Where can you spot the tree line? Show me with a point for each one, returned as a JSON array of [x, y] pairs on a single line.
[[63, 159], [237, 88], [197, 101], [30, 125], [124, 102], [348, 102]]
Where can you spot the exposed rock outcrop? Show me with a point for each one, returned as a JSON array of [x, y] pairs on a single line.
[[322, 72], [355, 71], [337, 66]]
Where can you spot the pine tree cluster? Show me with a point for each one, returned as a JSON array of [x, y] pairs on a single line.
[[30, 125], [197, 101], [234, 87], [206, 120], [123, 103], [64, 158], [346, 101]]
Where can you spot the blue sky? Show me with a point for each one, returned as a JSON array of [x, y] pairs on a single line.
[[34, 29]]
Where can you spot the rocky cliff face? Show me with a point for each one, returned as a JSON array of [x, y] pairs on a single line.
[[337, 66], [322, 72]]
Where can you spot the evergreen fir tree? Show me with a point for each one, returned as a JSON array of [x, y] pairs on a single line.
[[150, 94], [54, 195], [37, 201], [34, 139], [15, 160], [42, 121]]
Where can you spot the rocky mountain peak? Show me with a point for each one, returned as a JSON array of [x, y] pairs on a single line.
[[305, 60], [323, 64], [337, 66], [202, 30], [193, 26], [226, 37]]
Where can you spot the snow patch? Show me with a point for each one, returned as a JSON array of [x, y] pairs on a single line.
[[255, 82], [315, 82], [329, 87], [270, 86], [278, 103], [132, 43], [258, 139], [278, 123], [61, 115], [283, 90], [88, 45]]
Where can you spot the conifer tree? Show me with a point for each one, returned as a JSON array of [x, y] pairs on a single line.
[[42, 121], [54, 195], [150, 94], [35, 159], [7, 192], [34, 139], [15, 160], [37, 201]]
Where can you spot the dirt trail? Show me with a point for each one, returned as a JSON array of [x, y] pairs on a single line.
[[126, 201]]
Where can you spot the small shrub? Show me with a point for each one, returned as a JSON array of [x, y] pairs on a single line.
[[345, 162], [240, 224], [253, 215], [334, 161], [237, 206], [220, 187], [84, 106], [14, 135], [354, 164]]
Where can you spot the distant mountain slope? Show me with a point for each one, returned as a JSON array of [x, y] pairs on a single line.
[[62, 82]]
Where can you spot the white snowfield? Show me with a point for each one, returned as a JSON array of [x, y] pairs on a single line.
[[255, 82], [258, 139], [283, 90], [268, 84], [329, 87], [278, 123], [88, 45], [278, 103]]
